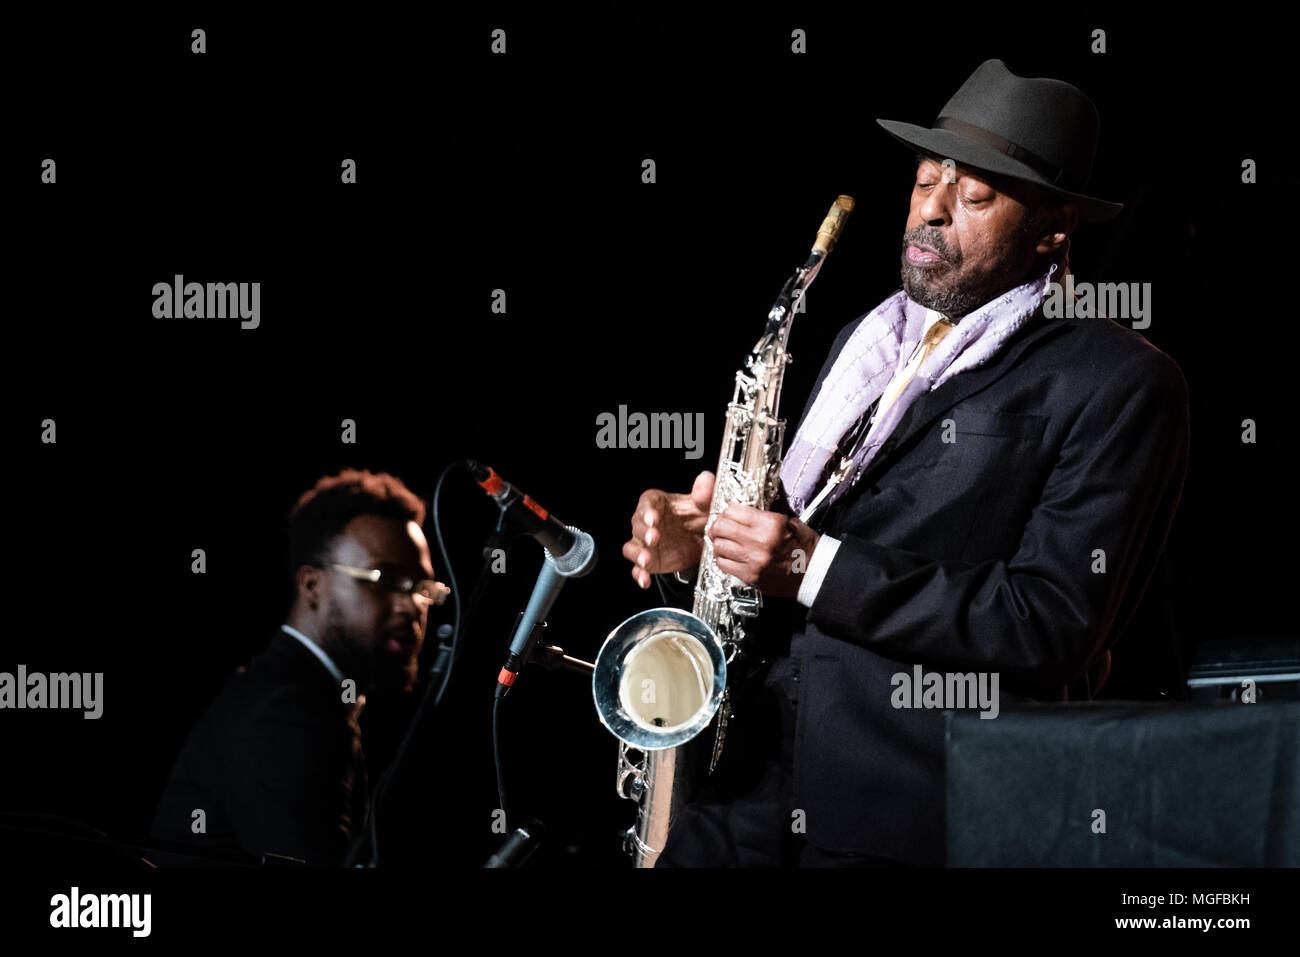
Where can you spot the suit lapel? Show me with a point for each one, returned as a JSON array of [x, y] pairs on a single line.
[[928, 407]]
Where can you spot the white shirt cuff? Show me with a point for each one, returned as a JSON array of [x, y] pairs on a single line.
[[818, 565]]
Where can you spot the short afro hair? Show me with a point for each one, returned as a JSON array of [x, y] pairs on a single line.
[[319, 516]]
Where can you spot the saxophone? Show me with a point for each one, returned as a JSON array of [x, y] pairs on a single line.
[[661, 675]]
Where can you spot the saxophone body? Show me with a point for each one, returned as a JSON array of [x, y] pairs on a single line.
[[661, 676]]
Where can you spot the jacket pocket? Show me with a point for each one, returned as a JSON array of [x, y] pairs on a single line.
[[1010, 425]]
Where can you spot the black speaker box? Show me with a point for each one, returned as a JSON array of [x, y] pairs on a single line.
[[1126, 784]]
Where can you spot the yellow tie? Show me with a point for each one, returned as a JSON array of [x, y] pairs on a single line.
[[852, 441], [933, 336]]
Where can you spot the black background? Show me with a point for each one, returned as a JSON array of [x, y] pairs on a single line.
[[523, 172]]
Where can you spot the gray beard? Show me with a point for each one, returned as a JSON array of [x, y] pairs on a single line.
[[957, 302], [952, 303]]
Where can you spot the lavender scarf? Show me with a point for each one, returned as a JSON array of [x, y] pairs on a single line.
[[868, 362]]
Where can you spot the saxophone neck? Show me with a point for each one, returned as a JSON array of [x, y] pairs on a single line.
[[778, 320], [782, 313]]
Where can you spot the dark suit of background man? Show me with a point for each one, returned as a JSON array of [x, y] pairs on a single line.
[[978, 499], [276, 762]]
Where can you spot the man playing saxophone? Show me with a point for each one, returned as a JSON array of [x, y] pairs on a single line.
[[965, 458]]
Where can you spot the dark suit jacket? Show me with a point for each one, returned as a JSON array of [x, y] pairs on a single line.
[[275, 763], [978, 555]]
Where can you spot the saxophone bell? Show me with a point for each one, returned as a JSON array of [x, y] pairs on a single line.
[[659, 679]]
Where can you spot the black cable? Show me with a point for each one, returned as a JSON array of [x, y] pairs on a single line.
[[370, 827], [480, 585], [451, 578], [663, 592], [496, 759]]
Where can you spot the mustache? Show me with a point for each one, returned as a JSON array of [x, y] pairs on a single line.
[[923, 236]]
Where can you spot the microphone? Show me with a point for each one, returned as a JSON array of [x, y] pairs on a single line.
[[570, 553], [576, 562], [555, 536]]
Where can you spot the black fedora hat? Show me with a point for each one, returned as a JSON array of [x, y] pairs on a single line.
[[1037, 130]]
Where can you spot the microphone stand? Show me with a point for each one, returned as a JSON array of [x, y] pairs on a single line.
[[451, 647], [526, 646], [551, 657]]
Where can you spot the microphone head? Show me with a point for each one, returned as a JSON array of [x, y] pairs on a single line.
[[578, 560]]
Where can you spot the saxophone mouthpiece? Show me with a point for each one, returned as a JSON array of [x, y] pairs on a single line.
[[833, 225]]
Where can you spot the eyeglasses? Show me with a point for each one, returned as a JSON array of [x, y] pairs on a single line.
[[421, 589]]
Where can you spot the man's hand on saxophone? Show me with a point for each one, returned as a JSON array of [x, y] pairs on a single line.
[[770, 550], [668, 530]]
